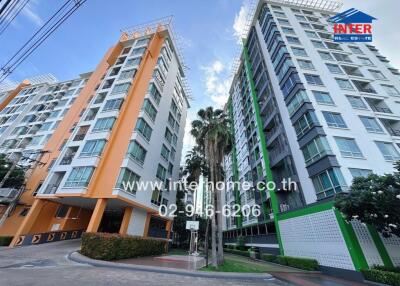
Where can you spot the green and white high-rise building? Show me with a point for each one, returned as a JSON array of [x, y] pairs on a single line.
[[320, 113]]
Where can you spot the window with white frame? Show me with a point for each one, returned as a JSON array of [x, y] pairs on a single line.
[[79, 177], [388, 151], [348, 147]]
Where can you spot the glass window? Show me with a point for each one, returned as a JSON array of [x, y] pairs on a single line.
[[113, 104], [168, 135], [93, 147], [305, 25], [313, 79], [300, 17], [293, 40], [342, 57], [127, 181], [371, 124], [334, 119], [356, 102], [104, 124], [305, 123], [136, 151], [360, 172], [299, 52], [344, 84], [318, 44], [79, 177], [356, 50], [155, 94], [388, 151], [325, 56], [348, 147], [391, 90], [315, 149], [165, 152], [365, 61], [288, 30], [297, 101], [328, 183], [143, 128], [149, 108], [377, 74], [161, 172], [283, 22], [311, 34], [334, 68], [127, 74], [121, 88], [323, 97], [305, 64]]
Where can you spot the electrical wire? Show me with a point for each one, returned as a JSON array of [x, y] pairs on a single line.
[[48, 28], [11, 18]]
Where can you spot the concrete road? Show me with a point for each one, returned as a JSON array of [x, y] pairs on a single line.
[[47, 264]]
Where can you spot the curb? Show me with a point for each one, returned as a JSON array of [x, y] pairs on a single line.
[[79, 258]]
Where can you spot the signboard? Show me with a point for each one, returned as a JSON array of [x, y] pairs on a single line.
[[192, 224]]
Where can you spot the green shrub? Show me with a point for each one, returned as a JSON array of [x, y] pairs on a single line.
[[108, 246], [298, 262], [238, 252], [5, 240], [385, 277], [268, 257], [241, 243], [387, 268]]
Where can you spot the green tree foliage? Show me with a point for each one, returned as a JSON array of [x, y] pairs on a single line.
[[17, 176], [374, 200]]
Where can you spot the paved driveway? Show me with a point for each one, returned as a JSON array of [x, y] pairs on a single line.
[[47, 264]]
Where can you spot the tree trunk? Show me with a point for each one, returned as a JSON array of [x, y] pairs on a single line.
[[218, 178], [206, 239], [213, 222]]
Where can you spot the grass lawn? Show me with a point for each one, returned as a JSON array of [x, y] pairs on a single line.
[[231, 265]]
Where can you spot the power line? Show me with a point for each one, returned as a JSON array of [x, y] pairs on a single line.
[[52, 24], [12, 17]]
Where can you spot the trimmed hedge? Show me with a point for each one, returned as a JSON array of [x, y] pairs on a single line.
[[387, 268], [5, 240], [238, 252], [268, 257], [385, 277], [109, 246], [297, 262]]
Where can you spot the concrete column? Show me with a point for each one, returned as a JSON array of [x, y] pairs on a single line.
[[97, 215], [125, 220], [30, 219]]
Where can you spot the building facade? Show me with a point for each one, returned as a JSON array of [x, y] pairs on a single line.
[[107, 146], [316, 112]]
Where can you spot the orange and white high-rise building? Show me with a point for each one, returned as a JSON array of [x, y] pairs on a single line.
[[101, 149]]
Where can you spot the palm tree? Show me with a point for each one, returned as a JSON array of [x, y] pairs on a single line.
[[212, 134], [195, 165]]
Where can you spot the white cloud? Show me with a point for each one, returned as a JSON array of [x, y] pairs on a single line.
[[29, 12], [240, 21], [217, 82]]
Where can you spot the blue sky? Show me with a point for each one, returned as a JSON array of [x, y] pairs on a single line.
[[208, 29]]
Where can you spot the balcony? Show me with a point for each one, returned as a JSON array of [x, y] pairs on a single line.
[[54, 183], [69, 156], [364, 86], [80, 135], [378, 105], [392, 126], [7, 195]]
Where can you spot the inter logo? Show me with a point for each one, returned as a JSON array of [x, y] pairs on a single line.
[[352, 26]]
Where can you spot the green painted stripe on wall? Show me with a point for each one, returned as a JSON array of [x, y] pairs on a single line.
[[268, 175], [350, 238], [380, 246]]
